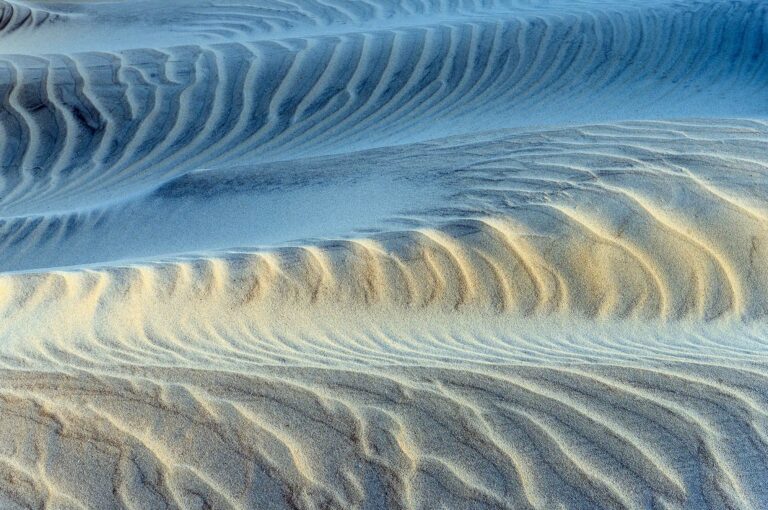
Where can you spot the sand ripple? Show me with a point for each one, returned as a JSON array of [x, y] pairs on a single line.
[[383, 254], [77, 125], [598, 436], [635, 220]]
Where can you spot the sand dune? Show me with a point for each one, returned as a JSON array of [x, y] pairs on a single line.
[[381, 253], [615, 221], [490, 437], [81, 122]]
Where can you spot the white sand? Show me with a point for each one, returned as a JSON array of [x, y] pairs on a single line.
[[383, 253]]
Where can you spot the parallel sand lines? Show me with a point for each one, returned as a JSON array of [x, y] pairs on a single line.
[[590, 436], [247, 264], [17, 16]]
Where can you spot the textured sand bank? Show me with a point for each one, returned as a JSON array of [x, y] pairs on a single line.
[[370, 254]]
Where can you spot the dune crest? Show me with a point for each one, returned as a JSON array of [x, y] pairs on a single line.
[[609, 221]]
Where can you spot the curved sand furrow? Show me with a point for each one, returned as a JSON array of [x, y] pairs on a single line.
[[221, 20], [16, 16], [485, 437], [259, 309], [616, 221], [187, 107]]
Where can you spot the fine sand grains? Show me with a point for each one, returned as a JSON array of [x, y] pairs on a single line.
[[383, 254]]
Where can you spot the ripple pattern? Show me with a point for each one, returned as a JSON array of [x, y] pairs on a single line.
[[78, 125], [621, 221], [363, 254], [16, 16], [523, 437]]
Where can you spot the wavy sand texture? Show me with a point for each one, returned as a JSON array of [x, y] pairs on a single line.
[[383, 254], [79, 127], [595, 436]]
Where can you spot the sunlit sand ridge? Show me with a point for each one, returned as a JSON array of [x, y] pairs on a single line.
[[419, 254]]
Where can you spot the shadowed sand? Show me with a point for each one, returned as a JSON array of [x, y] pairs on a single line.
[[373, 254]]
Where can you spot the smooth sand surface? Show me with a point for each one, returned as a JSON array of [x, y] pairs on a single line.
[[384, 254]]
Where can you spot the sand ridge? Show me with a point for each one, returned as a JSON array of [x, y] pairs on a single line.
[[15, 16], [383, 254], [79, 122], [665, 235]]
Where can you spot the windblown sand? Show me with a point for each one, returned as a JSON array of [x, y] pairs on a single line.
[[384, 254]]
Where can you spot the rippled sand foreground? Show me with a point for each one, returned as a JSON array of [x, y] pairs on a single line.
[[384, 254], [475, 436]]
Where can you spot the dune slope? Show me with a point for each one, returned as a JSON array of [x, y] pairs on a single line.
[[383, 253]]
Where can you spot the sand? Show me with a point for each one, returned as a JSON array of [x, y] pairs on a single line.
[[384, 254]]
